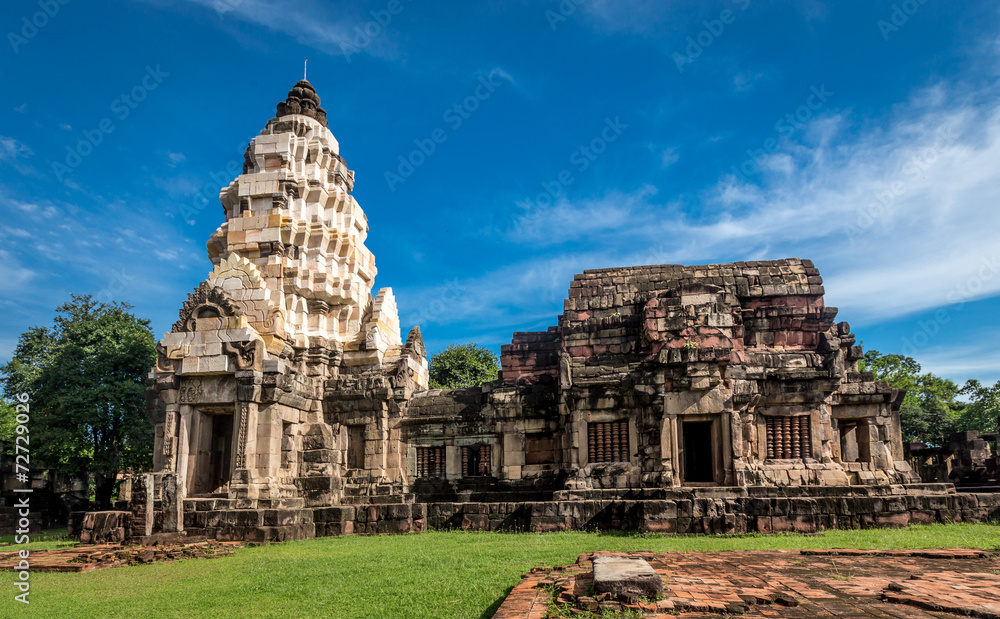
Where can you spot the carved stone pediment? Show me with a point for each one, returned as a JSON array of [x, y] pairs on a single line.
[[206, 301]]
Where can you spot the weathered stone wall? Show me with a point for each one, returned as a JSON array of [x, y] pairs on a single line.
[[671, 376], [968, 459]]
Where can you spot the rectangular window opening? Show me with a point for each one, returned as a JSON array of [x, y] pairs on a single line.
[[476, 461], [430, 461], [607, 442], [788, 438]]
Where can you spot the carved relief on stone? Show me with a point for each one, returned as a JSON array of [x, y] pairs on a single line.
[[275, 322], [402, 375], [416, 341], [241, 447], [207, 299], [247, 355], [164, 363], [191, 391], [169, 432], [371, 339]]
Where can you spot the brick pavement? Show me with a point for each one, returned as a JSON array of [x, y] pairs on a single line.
[[847, 584]]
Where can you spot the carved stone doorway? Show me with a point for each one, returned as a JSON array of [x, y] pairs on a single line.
[[212, 447], [699, 454]]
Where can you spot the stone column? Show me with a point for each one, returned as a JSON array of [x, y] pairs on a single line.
[[172, 498], [184, 446], [149, 487], [171, 428], [245, 450], [669, 447]]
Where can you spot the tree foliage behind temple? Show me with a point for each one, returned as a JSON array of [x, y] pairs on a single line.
[[932, 410], [463, 365], [86, 376]]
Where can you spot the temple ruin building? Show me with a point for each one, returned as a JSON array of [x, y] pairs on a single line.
[[287, 403]]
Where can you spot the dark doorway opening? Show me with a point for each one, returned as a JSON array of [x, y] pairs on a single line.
[[698, 456], [222, 452], [356, 447]]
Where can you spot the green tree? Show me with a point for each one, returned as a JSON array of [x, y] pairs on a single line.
[[983, 410], [8, 422], [86, 378], [929, 412], [463, 365]]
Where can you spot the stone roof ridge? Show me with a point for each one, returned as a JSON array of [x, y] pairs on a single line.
[[685, 267]]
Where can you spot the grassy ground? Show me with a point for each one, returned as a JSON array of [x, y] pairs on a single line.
[[50, 538], [434, 575]]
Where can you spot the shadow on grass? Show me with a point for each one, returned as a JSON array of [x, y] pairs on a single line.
[[47, 535], [492, 608]]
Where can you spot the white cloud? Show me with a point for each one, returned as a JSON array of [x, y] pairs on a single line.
[[18, 232], [15, 276], [12, 149], [180, 186], [311, 23], [932, 243], [669, 157], [979, 361], [566, 221], [744, 80], [176, 158], [637, 17]]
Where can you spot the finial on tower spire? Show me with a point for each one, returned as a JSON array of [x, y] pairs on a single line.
[[305, 65], [302, 99]]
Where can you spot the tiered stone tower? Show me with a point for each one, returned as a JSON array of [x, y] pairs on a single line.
[[237, 397]]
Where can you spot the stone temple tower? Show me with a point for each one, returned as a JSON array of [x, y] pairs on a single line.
[[287, 313], [707, 398]]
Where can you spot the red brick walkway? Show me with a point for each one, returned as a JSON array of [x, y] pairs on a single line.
[[848, 584]]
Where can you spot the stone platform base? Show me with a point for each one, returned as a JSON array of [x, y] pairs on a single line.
[[262, 521], [696, 510], [924, 584], [686, 511]]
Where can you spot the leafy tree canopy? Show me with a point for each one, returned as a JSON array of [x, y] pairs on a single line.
[[982, 414], [86, 378], [463, 365], [932, 409], [8, 423]]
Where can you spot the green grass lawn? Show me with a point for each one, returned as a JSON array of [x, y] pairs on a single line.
[[49, 538], [438, 574]]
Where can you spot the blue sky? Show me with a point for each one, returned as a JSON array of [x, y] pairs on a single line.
[[587, 134]]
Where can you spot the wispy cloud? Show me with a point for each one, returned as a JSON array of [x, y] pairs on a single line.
[[316, 24], [575, 221], [978, 361], [745, 80], [179, 186], [638, 17], [823, 196], [669, 157], [12, 149]]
